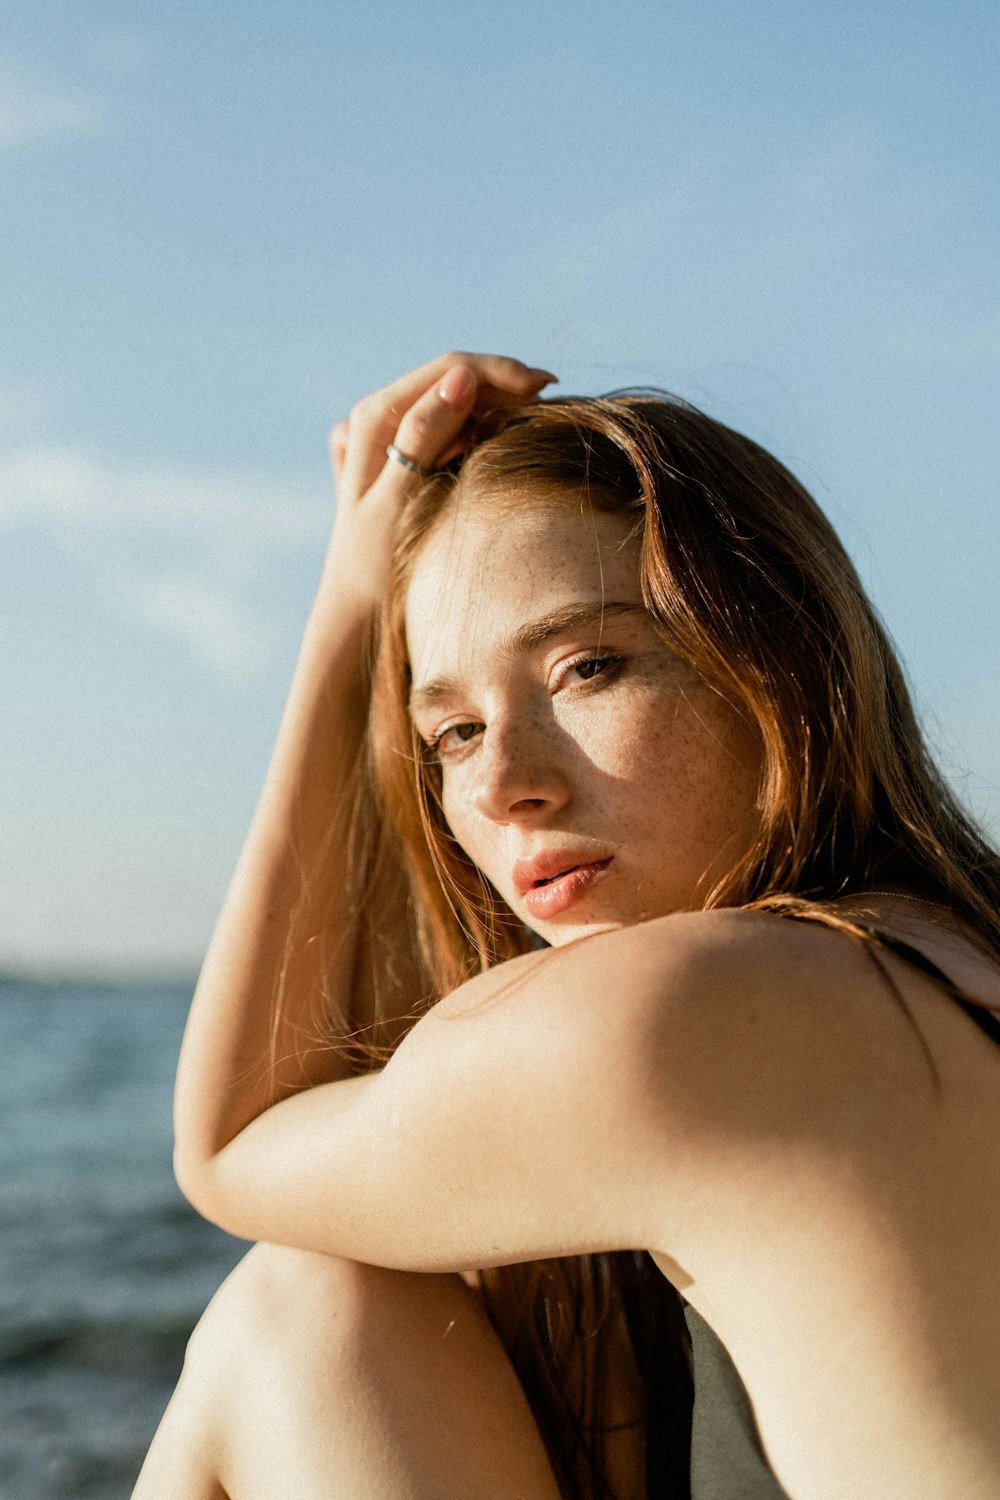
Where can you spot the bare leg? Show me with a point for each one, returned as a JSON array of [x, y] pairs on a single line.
[[316, 1379]]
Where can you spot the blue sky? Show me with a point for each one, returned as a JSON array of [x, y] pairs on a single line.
[[221, 224]]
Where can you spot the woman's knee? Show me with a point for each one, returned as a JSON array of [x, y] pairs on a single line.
[[282, 1304], [348, 1366]]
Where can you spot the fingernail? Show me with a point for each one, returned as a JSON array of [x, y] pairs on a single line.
[[457, 386], [546, 375]]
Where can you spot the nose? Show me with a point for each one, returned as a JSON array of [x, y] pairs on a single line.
[[520, 774]]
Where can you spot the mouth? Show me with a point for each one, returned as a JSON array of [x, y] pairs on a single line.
[[550, 884]]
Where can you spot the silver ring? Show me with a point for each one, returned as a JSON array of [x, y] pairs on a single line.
[[399, 457]]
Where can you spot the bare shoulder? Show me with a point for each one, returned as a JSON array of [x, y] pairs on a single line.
[[743, 981], [772, 1025], [743, 1035], [783, 1049], [814, 1089], [727, 1011]]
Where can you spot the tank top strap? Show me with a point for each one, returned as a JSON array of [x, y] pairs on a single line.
[[986, 1019]]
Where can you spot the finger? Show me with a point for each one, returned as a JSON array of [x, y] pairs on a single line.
[[506, 374], [375, 420], [430, 426], [488, 399]]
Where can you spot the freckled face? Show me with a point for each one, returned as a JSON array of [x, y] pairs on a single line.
[[593, 777]]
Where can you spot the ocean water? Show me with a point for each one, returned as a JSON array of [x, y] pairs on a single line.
[[104, 1269]]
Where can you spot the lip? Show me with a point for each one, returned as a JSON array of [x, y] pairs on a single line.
[[556, 879]]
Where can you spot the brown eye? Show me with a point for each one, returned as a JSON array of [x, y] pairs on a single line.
[[451, 740], [592, 667]]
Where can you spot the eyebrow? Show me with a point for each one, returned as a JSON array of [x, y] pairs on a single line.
[[528, 637]]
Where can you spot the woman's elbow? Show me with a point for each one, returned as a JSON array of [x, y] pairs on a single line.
[[193, 1173]]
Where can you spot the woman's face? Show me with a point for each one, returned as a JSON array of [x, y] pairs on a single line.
[[590, 775]]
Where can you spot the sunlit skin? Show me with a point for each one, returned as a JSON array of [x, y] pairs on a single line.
[[563, 723]]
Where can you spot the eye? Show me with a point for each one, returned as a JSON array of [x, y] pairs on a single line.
[[450, 741], [587, 668]]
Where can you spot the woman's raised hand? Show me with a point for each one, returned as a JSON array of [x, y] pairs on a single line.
[[423, 416]]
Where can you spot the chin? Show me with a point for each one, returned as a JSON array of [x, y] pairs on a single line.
[[572, 932]]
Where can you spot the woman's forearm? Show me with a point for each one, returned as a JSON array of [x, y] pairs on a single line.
[[286, 950], [241, 1051]]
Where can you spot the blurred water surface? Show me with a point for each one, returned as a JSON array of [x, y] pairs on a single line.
[[103, 1267]]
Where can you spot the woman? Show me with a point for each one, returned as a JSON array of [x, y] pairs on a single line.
[[720, 1187]]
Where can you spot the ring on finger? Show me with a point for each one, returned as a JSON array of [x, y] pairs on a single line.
[[399, 457]]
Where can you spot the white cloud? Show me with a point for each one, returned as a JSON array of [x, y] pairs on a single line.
[[48, 480], [121, 523], [249, 511], [33, 111], [211, 622]]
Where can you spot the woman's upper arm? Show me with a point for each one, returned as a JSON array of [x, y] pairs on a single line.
[[608, 1095], [508, 1125]]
